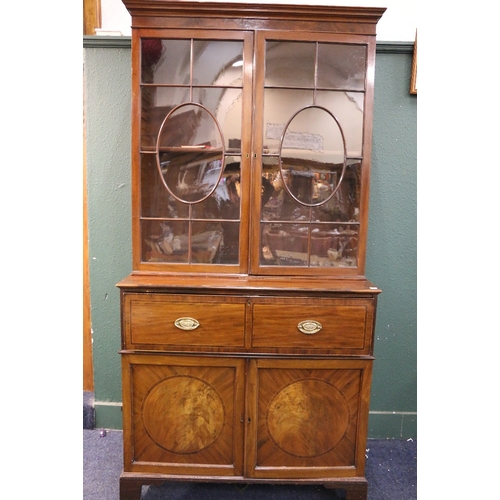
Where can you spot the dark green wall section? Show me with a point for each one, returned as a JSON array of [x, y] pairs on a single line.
[[392, 247], [107, 90], [391, 262]]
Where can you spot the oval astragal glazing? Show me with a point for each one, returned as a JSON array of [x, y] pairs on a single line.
[[312, 152], [190, 153]]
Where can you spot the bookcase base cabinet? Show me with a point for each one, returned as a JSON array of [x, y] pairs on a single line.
[[295, 414]]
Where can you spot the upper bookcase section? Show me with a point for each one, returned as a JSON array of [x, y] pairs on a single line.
[[251, 148]]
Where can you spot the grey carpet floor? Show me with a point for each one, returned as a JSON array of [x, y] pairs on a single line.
[[391, 470]]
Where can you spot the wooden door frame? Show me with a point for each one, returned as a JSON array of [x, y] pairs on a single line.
[[91, 16], [88, 365], [91, 21]]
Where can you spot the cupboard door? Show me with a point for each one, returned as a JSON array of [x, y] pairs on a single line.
[[191, 164], [307, 418], [183, 415], [313, 97]]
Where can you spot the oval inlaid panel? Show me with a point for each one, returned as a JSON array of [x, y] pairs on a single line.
[[308, 418], [183, 414]]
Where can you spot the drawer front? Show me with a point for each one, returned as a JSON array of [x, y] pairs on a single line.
[[334, 326], [155, 320]]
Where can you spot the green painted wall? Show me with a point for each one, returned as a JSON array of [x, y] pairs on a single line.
[[107, 88], [392, 248], [391, 262]]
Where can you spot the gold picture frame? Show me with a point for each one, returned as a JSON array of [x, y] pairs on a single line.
[[413, 78]]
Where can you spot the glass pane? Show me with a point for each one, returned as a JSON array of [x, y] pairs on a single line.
[[284, 244], [344, 205], [341, 66], [226, 106], [230, 244], [273, 192], [290, 64], [191, 176], [277, 204], [156, 201], [218, 62], [205, 242], [165, 61], [279, 106], [156, 104], [343, 246], [225, 202], [164, 241], [347, 107]]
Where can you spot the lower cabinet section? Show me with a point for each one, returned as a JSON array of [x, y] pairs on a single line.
[[245, 417]]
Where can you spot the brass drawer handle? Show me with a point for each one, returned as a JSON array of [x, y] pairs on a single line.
[[186, 324], [309, 326]]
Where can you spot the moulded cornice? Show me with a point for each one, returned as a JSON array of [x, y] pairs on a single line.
[[182, 8]]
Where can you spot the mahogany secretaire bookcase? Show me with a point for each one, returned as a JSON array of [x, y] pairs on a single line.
[[247, 322]]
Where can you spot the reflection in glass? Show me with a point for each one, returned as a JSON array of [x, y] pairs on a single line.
[[156, 201], [229, 251], [279, 106], [290, 64], [312, 152], [277, 202], [343, 206], [163, 241], [205, 240], [225, 202], [217, 62], [191, 119], [341, 66], [348, 109], [312, 145], [305, 245], [165, 61], [191, 176], [175, 241], [225, 104], [199, 242], [190, 155], [190, 125]]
